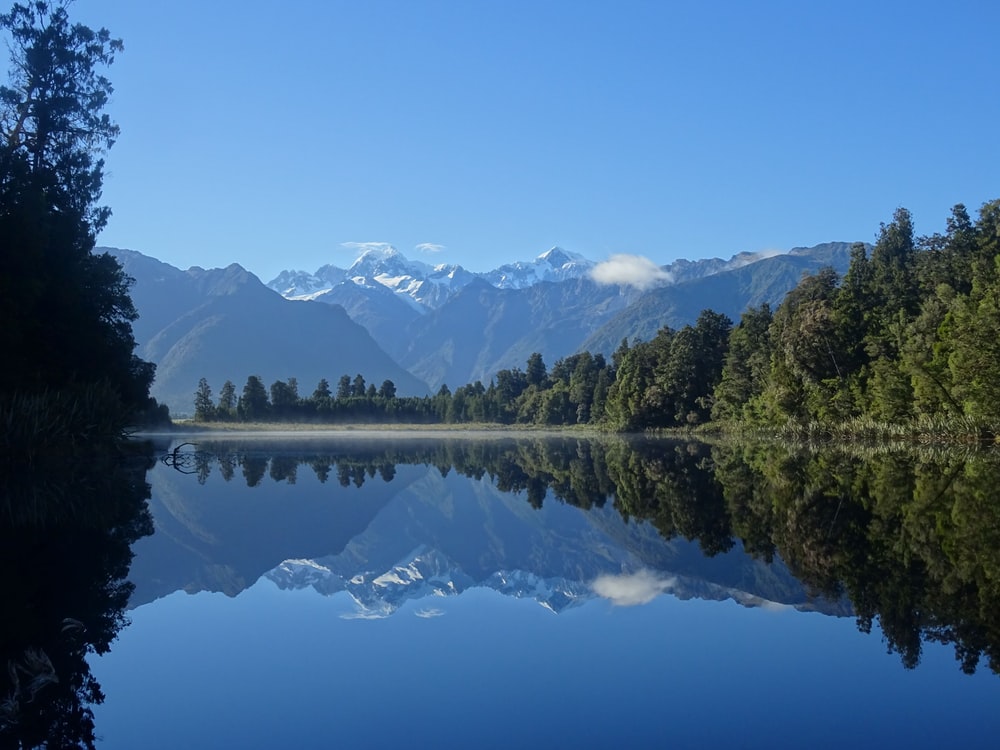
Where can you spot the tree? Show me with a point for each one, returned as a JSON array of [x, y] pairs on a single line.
[[322, 390], [388, 389], [227, 400], [284, 397], [535, 372], [344, 387], [746, 367], [358, 386], [52, 108], [694, 366], [253, 403], [805, 364], [204, 411], [53, 132]]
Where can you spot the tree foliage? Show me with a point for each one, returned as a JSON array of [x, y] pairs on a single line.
[[66, 312], [912, 332]]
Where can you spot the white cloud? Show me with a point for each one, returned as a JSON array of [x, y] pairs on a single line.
[[631, 589], [429, 612], [365, 246], [770, 252], [745, 259], [631, 270], [429, 247]]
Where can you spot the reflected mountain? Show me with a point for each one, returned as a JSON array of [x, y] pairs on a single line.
[[395, 521], [66, 528], [906, 540]]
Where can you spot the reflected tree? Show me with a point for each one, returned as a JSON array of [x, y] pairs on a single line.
[[65, 549], [911, 540]]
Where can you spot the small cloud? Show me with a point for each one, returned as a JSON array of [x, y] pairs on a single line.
[[770, 252], [745, 259], [630, 270], [632, 589], [429, 247], [429, 612], [366, 246]]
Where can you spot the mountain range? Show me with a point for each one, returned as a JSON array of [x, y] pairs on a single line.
[[453, 327], [423, 326]]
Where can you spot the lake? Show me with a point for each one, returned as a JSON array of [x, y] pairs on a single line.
[[494, 591]]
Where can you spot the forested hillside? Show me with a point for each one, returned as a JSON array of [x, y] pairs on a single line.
[[911, 332]]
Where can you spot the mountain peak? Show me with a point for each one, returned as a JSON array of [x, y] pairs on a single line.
[[557, 257]]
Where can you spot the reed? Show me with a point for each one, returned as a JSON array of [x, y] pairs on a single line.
[[59, 423]]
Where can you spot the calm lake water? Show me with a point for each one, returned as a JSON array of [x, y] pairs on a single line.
[[501, 592]]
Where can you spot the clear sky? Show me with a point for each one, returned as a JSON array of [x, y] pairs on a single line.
[[271, 134]]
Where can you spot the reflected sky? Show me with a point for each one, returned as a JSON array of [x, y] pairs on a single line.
[[274, 668], [258, 621]]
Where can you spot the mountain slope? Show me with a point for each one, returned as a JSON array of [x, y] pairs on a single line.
[[224, 324], [484, 329], [729, 292], [381, 311]]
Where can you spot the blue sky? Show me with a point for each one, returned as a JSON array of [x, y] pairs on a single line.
[[271, 134]]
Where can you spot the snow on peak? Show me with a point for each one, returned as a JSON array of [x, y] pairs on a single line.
[[555, 264], [423, 286], [559, 258]]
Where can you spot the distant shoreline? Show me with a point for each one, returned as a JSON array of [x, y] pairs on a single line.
[[363, 430]]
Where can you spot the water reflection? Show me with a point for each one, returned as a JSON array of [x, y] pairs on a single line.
[[66, 531], [912, 538], [394, 522], [908, 540]]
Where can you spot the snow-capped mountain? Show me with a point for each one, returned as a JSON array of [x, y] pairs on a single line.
[[425, 287], [421, 285], [555, 264]]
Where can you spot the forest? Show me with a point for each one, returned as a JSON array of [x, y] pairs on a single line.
[[907, 341]]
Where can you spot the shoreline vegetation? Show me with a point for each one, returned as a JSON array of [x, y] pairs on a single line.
[[191, 427]]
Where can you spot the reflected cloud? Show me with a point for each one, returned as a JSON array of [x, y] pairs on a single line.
[[632, 589], [630, 270], [429, 612], [363, 616]]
